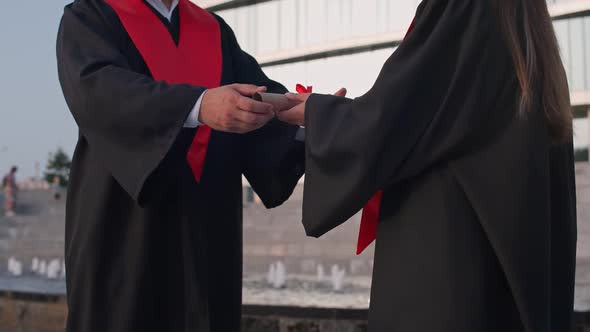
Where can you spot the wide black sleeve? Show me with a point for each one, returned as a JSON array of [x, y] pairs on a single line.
[[129, 120], [432, 97], [273, 160]]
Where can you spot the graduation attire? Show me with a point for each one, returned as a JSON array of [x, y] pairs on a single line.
[[477, 226], [153, 240]]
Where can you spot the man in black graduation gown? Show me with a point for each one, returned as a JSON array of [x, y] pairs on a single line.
[[153, 242], [477, 227]]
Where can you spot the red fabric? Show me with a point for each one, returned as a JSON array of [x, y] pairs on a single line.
[[302, 89], [196, 60], [370, 216], [369, 221]]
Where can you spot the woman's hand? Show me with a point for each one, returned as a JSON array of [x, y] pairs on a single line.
[[296, 115]]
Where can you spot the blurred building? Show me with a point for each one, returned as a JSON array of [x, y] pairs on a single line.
[[343, 43], [334, 43]]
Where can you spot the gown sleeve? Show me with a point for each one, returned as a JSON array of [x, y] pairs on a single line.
[[431, 98], [273, 160], [129, 120]]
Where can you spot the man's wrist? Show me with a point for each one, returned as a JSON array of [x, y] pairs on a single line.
[[194, 118], [200, 103], [300, 135]]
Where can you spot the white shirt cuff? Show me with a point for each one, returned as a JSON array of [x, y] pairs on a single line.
[[192, 121], [300, 136]]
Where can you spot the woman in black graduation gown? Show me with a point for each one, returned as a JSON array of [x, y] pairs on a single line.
[[467, 131]]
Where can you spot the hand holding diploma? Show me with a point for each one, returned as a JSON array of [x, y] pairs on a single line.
[[231, 109], [279, 101], [296, 115]]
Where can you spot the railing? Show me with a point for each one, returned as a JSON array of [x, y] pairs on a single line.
[[569, 9], [331, 49], [217, 5]]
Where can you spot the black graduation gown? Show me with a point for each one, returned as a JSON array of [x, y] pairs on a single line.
[[477, 230], [147, 248]]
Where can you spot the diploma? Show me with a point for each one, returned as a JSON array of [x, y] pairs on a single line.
[[279, 101]]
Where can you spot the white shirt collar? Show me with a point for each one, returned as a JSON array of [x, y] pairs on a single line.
[[161, 8]]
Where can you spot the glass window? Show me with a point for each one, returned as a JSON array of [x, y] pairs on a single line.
[[302, 20], [578, 60], [267, 26], [316, 23], [581, 133], [363, 21], [288, 24], [562, 32], [586, 41], [334, 20]]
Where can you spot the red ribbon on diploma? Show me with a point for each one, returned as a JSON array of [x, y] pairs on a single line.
[[302, 89], [370, 217]]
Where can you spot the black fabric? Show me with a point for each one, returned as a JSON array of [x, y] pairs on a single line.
[[478, 223], [147, 248]]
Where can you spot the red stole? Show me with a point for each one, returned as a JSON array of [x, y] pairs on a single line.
[[197, 60], [371, 211]]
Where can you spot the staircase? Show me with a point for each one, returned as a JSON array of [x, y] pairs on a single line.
[[37, 230]]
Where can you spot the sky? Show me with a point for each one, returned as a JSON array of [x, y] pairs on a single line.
[[34, 119]]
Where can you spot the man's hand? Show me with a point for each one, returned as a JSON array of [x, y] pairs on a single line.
[[229, 108], [296, 115]]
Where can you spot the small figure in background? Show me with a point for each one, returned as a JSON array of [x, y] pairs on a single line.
[[56, 188], [10, 191]]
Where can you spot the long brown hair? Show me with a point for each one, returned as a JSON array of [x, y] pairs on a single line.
[[528, 29]]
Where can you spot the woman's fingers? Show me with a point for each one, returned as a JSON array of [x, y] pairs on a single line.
[[341, 93]]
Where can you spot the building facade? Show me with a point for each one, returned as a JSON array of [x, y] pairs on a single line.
[[343, 43]]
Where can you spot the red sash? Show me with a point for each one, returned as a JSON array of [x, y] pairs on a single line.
[[197, 60], [371, 211]]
